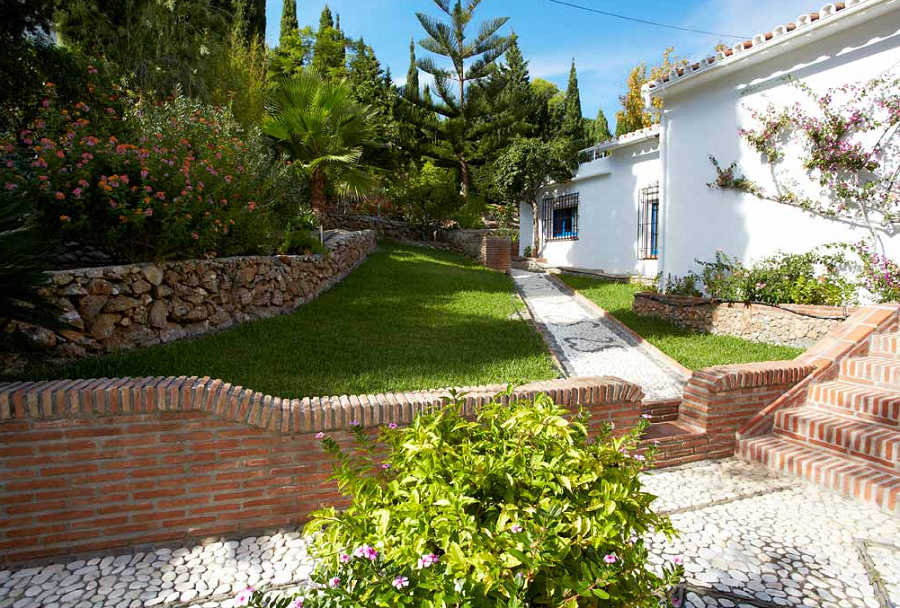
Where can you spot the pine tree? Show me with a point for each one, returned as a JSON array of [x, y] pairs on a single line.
[[329, 53], [249, 20], [600, 132], [412, 74], [463, 138], [289, 23], [573, 119]]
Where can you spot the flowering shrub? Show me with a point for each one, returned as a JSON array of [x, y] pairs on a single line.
[[848, 139], [880, 275], [516, 508], [815, 277], [178, 179]]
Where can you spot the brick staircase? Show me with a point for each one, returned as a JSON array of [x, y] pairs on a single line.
[[846, 436]]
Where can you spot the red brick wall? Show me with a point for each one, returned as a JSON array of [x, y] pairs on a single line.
[[91, 465]]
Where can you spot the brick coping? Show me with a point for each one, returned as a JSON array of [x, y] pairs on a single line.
[[21, 401], [816, 310]]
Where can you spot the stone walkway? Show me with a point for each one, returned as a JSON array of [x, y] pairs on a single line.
[[589, 345], [749, 539]]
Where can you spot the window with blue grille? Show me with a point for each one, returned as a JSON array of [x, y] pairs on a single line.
[[560, 216], [648, 223]]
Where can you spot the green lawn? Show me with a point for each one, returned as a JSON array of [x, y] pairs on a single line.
[[409, 318], [692, 350]]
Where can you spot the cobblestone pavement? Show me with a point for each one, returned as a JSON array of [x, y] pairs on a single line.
[[589, 345], [750, 538]]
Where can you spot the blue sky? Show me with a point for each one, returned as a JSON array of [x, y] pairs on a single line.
[[605, 49]]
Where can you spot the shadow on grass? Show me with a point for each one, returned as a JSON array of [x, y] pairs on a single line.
[[407, 319]]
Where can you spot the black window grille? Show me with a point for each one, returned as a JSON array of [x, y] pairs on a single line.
[[648, 223], [560, 217]]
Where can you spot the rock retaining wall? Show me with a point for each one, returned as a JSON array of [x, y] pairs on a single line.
[[788, 324], [124, 307]]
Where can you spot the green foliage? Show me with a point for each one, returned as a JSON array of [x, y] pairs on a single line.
[[879, 274], [329, 54], [573, 119], [294, 52], [516, 508], [412, 74], [249, 20], [428, 196], [814, 277], [682, 286], [550, 108], [301, 236], [158, 46], [25, 253], [323, 130], [600, 129], [178, 179], [373, 88], [24, 19], [463, 135], [289, 23]]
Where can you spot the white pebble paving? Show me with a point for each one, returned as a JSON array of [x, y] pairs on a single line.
[[588, 344]]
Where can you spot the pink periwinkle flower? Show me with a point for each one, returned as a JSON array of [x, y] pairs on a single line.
[[678, 560], [515, 529], [243, 598], [639, 457], [334, 583], [392, 425], [676, 602], [320, 435], [366, 552], [344, 558], [428, 560], [297, 603], [400, 582], [610, 559], [646, 416], [355, 423], [386, 466]]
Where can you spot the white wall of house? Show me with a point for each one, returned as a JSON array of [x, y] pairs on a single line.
[[608, 190], [704, 119]]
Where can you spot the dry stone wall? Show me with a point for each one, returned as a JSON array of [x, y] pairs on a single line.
[[124, 307], [787, 325]]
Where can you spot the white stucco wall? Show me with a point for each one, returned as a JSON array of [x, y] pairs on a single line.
[[608, 191], [704, 120]]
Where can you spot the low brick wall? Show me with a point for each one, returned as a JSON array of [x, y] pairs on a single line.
[[91, 465], [788, 324], [124, 307]]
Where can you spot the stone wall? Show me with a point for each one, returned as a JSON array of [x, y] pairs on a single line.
[[386, 228], [92, 465], [124, 307], [787, 324]]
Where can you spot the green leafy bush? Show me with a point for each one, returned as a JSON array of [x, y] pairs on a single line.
[[426, 196], [517, 508], [178, 179], [301, 235]]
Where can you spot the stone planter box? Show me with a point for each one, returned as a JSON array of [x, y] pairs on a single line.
[[787, 324]]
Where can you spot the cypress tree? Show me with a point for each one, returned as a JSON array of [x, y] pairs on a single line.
[[601, 132], [412, 75], [250, 20], [329, 53], [573, 120], [289, 23], [325, 19]]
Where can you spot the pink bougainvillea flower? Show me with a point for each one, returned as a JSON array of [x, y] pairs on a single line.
[[610, 559], [428, 560], [400, 582], [334, 583], [344, 558], [243, 598]]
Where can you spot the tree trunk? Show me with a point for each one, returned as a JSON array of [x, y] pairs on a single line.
[[535, 230], [464, 178], [317, 192]]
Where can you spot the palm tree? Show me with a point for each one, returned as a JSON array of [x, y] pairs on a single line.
[[317, 123]]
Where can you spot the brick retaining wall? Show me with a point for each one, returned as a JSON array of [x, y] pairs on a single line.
[[786, 325], [96, 464]]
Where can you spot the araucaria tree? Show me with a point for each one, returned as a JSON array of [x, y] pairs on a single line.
[[461, 139], [323, 130], [847, 142]]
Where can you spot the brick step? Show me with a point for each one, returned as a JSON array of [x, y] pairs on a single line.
[[859, 401], [876, 371], [842, 434], [885, 345], [852, 477]]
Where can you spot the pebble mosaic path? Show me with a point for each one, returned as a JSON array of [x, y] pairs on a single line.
[[590, 345], [750, 538]]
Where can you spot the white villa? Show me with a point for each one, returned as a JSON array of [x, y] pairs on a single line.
[[641, 205]]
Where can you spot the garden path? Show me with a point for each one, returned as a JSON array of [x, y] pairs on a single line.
[[589, 344], [750, 538]]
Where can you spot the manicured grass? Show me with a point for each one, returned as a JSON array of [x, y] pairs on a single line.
[[692, 350], [407, 319]]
